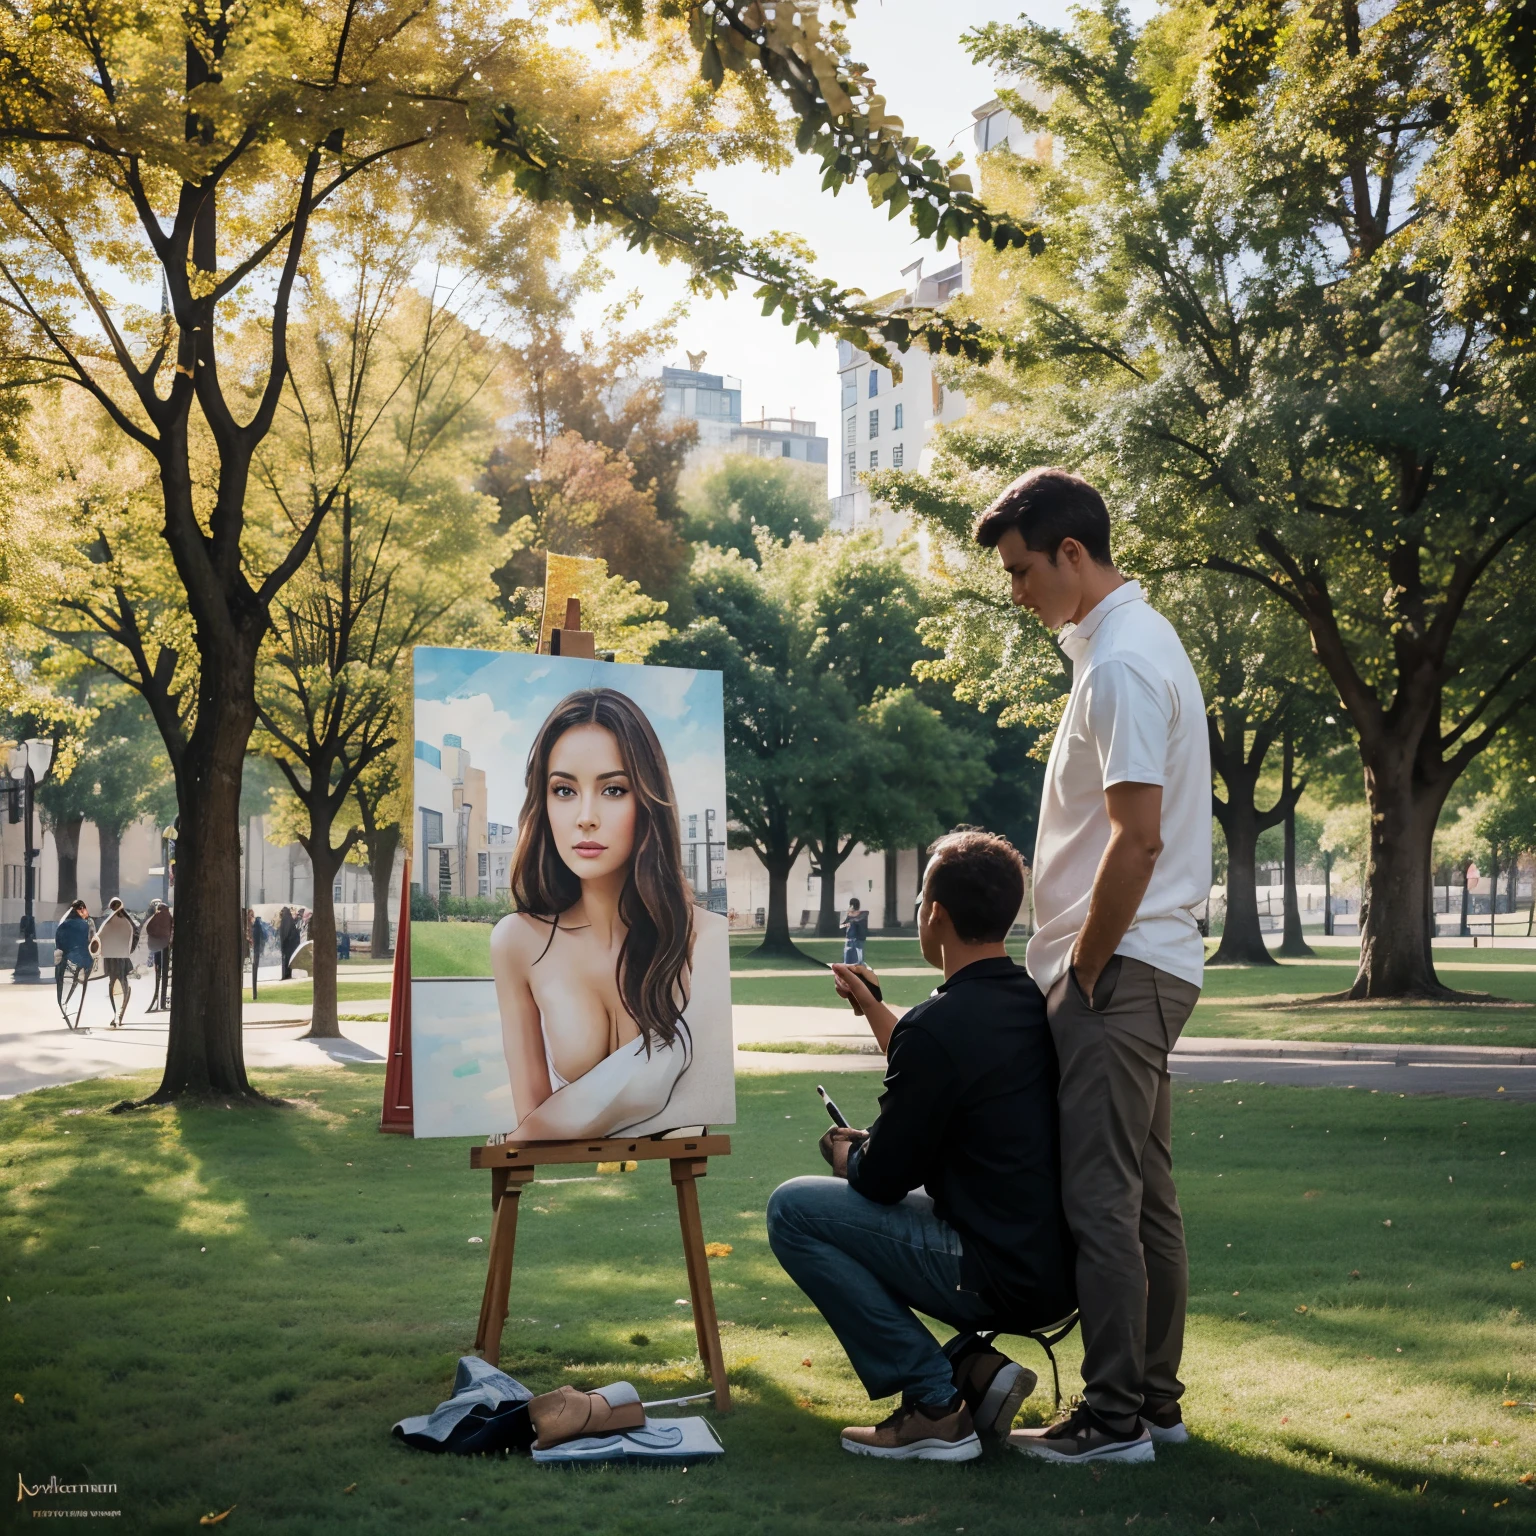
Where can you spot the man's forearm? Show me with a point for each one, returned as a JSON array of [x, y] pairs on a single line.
[[1123, 875]]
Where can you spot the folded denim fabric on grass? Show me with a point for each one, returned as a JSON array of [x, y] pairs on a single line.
[[659, 1441], [487, 1412]]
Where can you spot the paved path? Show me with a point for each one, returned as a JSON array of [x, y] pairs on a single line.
[[37, 1050]]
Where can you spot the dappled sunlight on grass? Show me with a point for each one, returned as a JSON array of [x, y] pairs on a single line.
[[338, 1286]]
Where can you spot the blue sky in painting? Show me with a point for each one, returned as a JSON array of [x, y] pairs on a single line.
[[496, 701]]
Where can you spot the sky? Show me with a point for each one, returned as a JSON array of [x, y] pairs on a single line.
[[913, 49]]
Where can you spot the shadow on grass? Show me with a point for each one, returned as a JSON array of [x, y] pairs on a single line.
[[216, 1307]]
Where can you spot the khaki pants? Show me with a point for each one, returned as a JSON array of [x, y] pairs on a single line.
[[1117, 1180]]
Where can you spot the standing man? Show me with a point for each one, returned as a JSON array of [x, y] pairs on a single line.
[[855, 926], [287, 941], [1122, 860]]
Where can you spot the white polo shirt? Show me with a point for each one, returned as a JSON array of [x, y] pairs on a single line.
[[1135, 715]]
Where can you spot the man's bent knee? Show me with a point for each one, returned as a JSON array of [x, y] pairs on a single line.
[[795, 1204]]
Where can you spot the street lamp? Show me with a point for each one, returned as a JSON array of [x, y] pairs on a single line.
[[28, 763]]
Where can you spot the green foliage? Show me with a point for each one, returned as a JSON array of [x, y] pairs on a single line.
[[838, 114], [827, 742], [727, 501], [120, 772]]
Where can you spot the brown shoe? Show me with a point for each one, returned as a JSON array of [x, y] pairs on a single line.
[[993, 1386], [569, 1414], [1085, 1437], [917, 1432]]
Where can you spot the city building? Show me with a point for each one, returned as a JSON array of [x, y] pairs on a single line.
[[886, 424], [451, 833], [713, 402]]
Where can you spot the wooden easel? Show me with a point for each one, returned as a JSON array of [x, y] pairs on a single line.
[[512, 1166]]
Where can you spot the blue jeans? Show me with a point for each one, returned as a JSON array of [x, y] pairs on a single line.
[[867, 1267], [853, 952]]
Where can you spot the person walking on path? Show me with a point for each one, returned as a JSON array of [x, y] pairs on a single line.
[[117, 936], [855, 927], [74, 939], [1122, 862], [287, 940], [158, 927]]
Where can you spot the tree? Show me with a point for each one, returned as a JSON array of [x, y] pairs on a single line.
[[389, 396], [728, 500], [827, 744], [207, 149], [1255, 298]]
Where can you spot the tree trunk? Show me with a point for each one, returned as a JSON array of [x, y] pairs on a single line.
[[1328, 894], [1465, 931], [1397, 919], [776, 939], [205, 1053], [66, 843], [324, 862], [1293, 943], [1242, 940], [382, 848], [892, 913], [111, 840], [828, 862]]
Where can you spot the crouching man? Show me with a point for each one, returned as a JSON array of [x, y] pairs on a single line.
[[950, 1204]]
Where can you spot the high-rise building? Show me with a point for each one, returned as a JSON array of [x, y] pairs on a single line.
[[885, 424], [713, 401]]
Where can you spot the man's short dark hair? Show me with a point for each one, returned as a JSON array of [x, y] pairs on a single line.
[[79, 905], [978, 878], [853, 901], [1047, 506]]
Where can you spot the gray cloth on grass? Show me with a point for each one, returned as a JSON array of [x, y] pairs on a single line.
[[487, 1412]]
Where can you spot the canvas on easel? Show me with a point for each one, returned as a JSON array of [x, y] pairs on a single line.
[[603, 1032]]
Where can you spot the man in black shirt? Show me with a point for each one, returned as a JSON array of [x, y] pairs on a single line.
[[950, 1203]]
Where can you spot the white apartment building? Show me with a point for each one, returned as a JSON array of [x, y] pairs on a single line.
[[888, 425]]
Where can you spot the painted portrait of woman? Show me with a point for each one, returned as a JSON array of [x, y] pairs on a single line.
[[594, 971]]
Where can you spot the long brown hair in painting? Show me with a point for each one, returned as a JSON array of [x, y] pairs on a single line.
[[657, 903]]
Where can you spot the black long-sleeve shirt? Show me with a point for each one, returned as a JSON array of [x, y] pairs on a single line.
[[969, 1114]]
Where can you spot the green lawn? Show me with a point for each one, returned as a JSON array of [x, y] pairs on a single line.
[[1237, 1001], [304, 992], [214, 1308]]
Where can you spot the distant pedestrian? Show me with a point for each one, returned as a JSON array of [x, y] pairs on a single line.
[[855, 927], [117, 936], [344, 945], [74, 942], [287, 940], [257, 935], [158, 927]]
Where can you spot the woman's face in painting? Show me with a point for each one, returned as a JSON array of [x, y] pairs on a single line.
[[590, 802]]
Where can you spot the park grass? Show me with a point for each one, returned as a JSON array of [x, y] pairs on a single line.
[[1248, 1002], [212, 1308], [304, 992]]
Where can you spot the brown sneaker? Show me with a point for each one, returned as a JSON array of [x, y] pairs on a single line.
[[1166, 1423], [1084, 1437], [917, 1432], [569, 1414], [992, 1385]]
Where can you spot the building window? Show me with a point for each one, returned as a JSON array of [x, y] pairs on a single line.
[[898, 455], [850, 431], [431, 827], [874, 382], [874, 458], [874, 423], [850, 388], [444, 874], [429, 754], [853, 465], [336, 891], [897, 424]]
